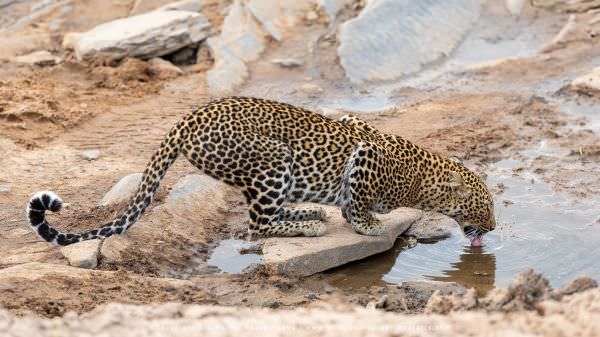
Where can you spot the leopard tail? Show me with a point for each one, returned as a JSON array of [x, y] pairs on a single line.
[[153, 174]]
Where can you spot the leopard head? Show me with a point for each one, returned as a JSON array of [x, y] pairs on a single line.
[[468, 202]]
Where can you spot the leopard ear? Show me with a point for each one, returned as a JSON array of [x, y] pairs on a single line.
[[456, 182]]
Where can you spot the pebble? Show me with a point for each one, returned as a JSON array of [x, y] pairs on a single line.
[[90, 154], [41, 58], [312, 16], [5, 188], [311, 88], [288, 63]]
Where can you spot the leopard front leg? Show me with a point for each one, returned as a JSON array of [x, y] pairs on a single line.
[[361, 187]]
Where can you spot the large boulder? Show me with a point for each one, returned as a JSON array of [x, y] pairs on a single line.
[[145, 36], [393, 38], [303, 256]]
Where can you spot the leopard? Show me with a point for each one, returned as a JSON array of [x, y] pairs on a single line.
[[280, 155]]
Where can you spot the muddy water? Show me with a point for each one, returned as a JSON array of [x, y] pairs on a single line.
[[539, 229]]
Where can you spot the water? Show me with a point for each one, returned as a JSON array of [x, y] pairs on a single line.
[[538, 228], [228, 259]]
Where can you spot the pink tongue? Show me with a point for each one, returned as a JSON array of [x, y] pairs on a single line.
[[477, 241]]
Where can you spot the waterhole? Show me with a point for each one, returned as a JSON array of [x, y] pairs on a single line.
[[539, 228]]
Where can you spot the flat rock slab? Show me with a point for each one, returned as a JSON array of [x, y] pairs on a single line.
[[144, 36], [303, 256]]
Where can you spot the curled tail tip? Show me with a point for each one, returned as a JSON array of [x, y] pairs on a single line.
[[45, 201]]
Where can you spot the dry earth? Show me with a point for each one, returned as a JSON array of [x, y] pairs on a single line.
[[49, 115]]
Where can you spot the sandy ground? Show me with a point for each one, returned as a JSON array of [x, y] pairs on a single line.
[[50, 115]]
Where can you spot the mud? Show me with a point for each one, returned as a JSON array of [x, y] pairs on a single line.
[[519, 109]]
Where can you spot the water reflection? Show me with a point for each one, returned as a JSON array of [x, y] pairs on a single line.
[[476, 268]]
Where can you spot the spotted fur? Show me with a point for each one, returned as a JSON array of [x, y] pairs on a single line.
[[277, 153]]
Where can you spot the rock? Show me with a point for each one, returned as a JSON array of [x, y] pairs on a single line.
[[276, 16], [303, 256], [193, 195], [5, 188], [287, 63], [432, 226], [144, 6], [123, 190], [392, 38], [165, 69], [563, 36], [333, 7], [69, 39], [144, 36], [514, 7], [567, 5], [166, 241], [90, 154], [311, 16], [40, 58], [589, 82], [183, 5], [244, 37], [82, 254], [311, 88], [241, 40]]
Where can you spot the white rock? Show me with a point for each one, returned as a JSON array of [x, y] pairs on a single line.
[[590, 80], [193, 195], [241, 40], [40, 58], [164, 68], [82, 254], [514, 6], [123, 190], [303, 256], [144, 6], [144, 36], [311, 88], [69, 39], [392, 38], [332, 7], [288, 62], [277, 16], [5, 188], [432, 226], [90, 154], [183, 5], [311, 16]]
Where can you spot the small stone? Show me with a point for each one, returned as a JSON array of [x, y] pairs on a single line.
[[287, 63], [311, 88], [82, 254], [5, 188], [90, 154], [42, 58], [164, 68], [431, 227], [589, 81], [312, 16], [183, 5], [123, 190]]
